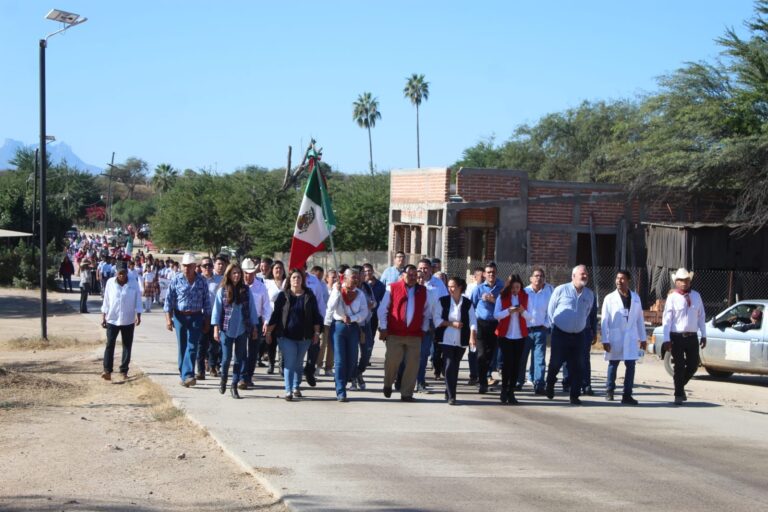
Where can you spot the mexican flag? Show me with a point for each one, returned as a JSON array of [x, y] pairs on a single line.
[[315, 221]]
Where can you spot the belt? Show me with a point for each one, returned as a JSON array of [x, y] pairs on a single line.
[[350, 323], [188, 313], [537, 328], [685, 334]]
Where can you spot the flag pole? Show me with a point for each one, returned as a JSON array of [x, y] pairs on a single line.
[[330, 231]]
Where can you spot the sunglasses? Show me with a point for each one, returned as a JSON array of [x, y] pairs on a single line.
[[207, 265]]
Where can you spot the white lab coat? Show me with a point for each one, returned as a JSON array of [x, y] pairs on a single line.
[[623, 331]]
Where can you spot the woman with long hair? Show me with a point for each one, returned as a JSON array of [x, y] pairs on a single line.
[[149, 278], [296, 324], [511, 312], [456, 329], [231, 319], [275, 282]]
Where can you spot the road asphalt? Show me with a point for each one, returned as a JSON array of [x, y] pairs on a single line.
[[374, 453]]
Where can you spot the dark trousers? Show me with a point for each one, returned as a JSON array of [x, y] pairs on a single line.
[[486, 348], [685, 359], [67, 279], [312, 353], [586, 368], [208, 349], [568, 348], [85, 289], [511, 354], [437, 357], [126, 335], [451, 359]]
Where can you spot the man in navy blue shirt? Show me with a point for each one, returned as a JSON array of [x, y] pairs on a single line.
[[484, 300], [569, 311]]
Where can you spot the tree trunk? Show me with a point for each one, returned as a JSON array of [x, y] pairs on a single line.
[[370, 151], [418, 153]]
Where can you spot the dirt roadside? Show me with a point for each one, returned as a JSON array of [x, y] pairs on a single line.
[[70, 441]]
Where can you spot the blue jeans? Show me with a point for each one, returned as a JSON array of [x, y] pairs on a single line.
[[629, 376], [426, 348], [536, 343], [293, 352], [240, 356], [365, 350], [346, 340], [189, 328]]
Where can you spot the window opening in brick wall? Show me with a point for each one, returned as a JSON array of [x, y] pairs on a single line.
[[606, 250]]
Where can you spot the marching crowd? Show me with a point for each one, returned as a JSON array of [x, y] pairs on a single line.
[[231, 318]]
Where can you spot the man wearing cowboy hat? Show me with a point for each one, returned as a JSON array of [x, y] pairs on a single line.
[[188, 310], [683, 321], [85, 284]]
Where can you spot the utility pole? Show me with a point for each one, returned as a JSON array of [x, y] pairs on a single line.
[[108, 213]]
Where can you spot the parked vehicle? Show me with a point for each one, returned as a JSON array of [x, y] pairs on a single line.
[[735, 343]]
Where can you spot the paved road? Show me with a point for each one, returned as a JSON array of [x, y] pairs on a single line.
[[379, 454]]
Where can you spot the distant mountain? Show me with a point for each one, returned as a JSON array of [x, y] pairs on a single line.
[[57, 153]]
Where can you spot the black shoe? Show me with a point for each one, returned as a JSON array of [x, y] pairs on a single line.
[[472, 381], [387, 391], [539, 391], [566, 389], [519, 387], [587, 391], [451, 401], [309, 373], [261, 364], [550, 392], [609, 396], [200, 376], [233, 391], [628, 400], [271, 369], [223, 385], [504, 396], [407, 399], [511, 400], [482, 390], [575, 401]]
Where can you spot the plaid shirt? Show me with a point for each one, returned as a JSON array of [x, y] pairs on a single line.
[[222, 310], [183, 296]]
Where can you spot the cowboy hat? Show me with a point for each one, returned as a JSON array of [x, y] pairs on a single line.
[[188, 259], [682, 274], [248, 266]]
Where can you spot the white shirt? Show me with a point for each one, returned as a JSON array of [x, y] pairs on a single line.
[[538, 302], [314, 284], [470, 288], [435, 283], [273, 290], [383, 311], [261, 306], [623, 329], [121, 303], [679, 316], [357, 311], [452, 335], [513, 331]]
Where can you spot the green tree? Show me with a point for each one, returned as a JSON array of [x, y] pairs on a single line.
[[132, 211], [365, 112], [361, 205], [131, 173], [164, 178], [417, 90]]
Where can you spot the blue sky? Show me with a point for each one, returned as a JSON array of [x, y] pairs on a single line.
[[221, 85]]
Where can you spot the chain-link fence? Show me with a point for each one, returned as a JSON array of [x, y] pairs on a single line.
[[718, 288]]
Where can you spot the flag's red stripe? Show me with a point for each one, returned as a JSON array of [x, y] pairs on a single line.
[[300, 251]]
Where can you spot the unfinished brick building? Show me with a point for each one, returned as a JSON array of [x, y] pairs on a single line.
[[501, 214]]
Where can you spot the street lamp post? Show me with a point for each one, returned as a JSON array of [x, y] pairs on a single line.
[[69, 20]]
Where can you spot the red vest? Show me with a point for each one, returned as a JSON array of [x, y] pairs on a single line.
[[506, 302], [398, 303]]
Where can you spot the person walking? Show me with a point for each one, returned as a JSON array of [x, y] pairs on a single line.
[[484, 300], [623, 335], [456, 328], [231, 318], [539, 292], [404, 316], [262, 311], [511, 310], [66, 269], [275, 282], [187, 310], [149, 280], [209, 352], [86, 282], [392, 274], [349, 308], [683, 322], [296, 323], [569, 309], [120, 313], [325, 354]]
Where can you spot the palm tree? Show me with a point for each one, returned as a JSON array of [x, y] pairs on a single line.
[[417, 90], [164, 178], [365, 113]]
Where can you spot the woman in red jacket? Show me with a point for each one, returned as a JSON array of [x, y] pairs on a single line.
[[511, 312]]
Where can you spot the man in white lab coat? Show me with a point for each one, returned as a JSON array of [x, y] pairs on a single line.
[[623, 335]]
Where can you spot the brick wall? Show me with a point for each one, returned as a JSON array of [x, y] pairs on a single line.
[[475, 186], [420, 185], [550, 248]]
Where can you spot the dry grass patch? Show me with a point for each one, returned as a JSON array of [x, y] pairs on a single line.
[[154, 395], [23, 389], [52, 343]]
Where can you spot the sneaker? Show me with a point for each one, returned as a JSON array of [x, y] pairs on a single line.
[[328, 373], [421, 387], [296, 393], [361, 383], [609, 396], [288, 397], [189, 382], [628, 400], [261, 364], [342, 399], [353, 385], [106, 376]]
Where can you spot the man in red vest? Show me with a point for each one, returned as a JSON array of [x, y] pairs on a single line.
[[403, 320]]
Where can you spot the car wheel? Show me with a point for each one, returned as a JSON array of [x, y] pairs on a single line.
[[718, 374], [668, 363]]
